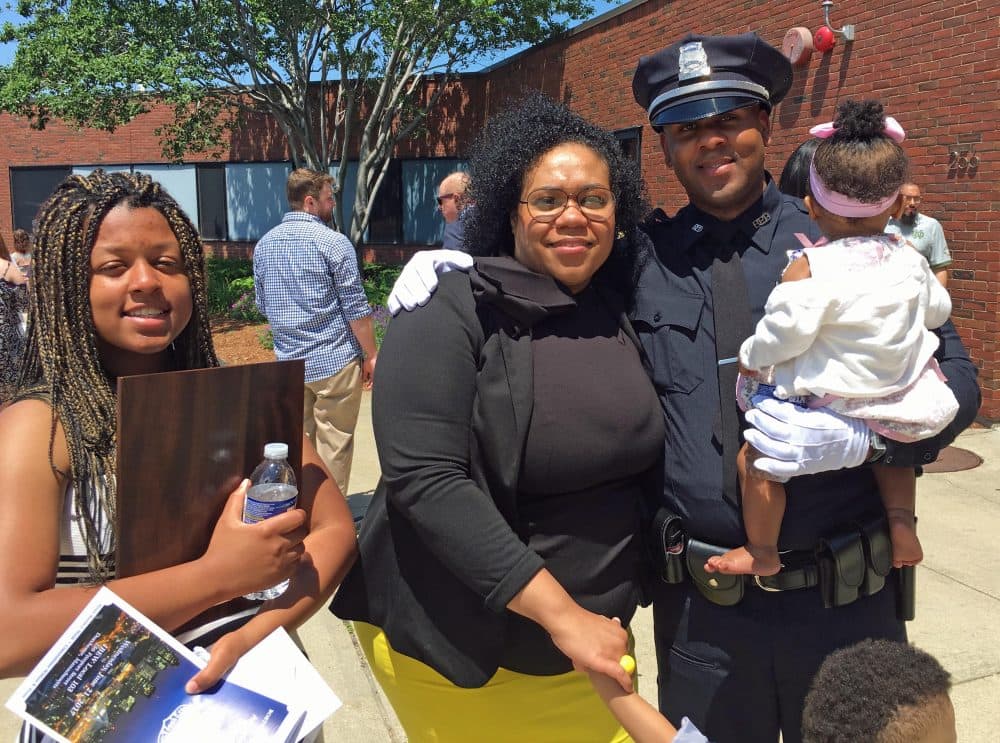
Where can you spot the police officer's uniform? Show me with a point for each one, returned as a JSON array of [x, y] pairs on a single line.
[[741, 672]]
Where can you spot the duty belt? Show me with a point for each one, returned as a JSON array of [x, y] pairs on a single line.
[[851, 563]]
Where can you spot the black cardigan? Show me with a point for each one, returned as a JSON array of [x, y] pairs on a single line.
[[439, 558]]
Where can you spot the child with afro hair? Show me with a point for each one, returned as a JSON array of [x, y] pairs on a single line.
[[879, 691]]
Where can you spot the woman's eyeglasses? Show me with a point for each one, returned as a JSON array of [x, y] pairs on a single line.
[[441, 199], [546, 204]]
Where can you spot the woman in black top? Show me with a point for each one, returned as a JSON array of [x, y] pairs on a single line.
[[517, 432]]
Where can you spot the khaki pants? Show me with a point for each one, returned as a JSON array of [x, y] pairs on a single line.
[[329, 415]]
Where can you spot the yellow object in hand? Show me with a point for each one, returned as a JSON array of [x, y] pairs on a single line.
[[627, 662]]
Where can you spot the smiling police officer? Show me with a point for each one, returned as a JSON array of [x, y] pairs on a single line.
[[737, 655]]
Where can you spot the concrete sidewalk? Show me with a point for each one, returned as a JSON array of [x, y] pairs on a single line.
[[958, 605]]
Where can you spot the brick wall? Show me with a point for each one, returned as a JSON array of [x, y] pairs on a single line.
[[935, 65]]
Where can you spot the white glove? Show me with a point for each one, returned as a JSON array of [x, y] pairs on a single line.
[[794, 440], [419, 277]]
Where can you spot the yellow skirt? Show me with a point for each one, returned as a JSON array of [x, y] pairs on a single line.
[[510, 708]]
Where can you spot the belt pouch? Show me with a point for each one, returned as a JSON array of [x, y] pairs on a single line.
[[841, 562], [906, 594], [878, 554], [724, 590], [668, 545]]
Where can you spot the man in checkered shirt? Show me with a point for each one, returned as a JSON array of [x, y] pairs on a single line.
[[308, 285]]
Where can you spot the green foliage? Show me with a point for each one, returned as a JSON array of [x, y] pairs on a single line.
[[221, 273], [245, 306], [266, 338], [378, 279], [99, 64], [231, 293], [230, 289]]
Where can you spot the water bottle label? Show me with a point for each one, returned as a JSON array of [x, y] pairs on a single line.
[[257, 510]]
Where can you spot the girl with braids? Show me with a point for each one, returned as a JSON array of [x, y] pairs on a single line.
[[849, 328], [119, 289]]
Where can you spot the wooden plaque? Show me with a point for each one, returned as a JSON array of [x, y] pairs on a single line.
[[185, 441]]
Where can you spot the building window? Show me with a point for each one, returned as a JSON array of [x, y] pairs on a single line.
[[385, 227], [212, 202], [422, 222], [29, 188], [631, 142], [255, 198]]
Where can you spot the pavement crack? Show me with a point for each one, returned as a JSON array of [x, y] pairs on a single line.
[[976, 678], [388, 716], [953, 579]]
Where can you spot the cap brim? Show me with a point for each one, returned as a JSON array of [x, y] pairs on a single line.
[[696, 108]]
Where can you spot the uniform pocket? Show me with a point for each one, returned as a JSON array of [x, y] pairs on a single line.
[[667, 326]]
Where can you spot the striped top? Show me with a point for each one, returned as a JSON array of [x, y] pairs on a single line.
[[73, 570]]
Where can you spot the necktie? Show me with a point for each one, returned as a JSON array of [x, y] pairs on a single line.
[[732, 326]]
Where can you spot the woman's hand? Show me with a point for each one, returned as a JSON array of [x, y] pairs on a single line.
[[594, 643], [251, 557]]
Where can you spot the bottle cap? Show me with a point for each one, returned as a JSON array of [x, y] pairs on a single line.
[[276, 451]]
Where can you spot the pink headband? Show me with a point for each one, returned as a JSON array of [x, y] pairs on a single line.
[[838, 203], [892, 130]]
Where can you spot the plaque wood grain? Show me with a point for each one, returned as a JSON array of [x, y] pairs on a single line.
[[185, 441]]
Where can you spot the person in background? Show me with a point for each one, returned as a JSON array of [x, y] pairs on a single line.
[[307, 284], [119, 289], [22, 251], [794, 179], [517, 432], [922, 232], [13, 322], [453, 203]]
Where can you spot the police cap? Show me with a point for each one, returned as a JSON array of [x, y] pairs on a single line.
[[702, 76]]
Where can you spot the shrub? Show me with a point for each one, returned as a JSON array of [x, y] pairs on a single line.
[[231, 293], [220, 274], [266, 338], [245, 306], [378, 279], [380, 318]]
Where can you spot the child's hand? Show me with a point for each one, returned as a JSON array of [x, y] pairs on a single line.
[[642, 722]]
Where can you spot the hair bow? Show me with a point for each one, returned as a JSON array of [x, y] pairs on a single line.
[[892, 130]]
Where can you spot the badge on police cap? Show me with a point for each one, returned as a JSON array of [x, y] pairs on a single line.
[[703, 76], [692, 62]]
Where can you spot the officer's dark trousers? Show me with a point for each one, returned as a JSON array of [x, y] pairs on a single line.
[[741, 673]]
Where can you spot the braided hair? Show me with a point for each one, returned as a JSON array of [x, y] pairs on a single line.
[[61, 360]]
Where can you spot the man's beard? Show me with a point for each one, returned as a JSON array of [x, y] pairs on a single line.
[[909, 218]]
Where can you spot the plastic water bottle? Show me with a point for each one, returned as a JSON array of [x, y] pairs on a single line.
[[272, 491]]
